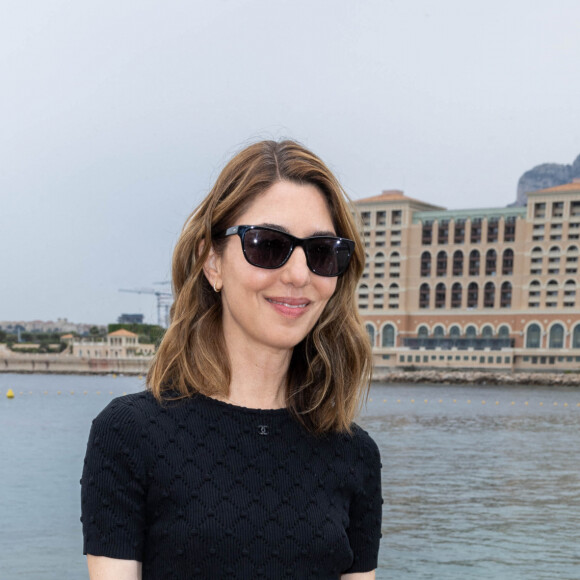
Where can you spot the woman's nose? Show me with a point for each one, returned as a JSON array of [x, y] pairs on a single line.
[[295, 270]]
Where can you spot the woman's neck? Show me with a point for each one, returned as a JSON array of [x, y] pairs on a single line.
[[258, 379]]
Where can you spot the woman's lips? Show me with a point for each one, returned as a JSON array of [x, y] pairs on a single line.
[[289, 307]]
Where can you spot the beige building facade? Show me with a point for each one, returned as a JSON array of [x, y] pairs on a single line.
[[120, 344], [492, 288]]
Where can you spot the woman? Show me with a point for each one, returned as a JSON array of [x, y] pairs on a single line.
[[241, 459]]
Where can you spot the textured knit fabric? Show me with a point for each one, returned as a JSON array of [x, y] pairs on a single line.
[[198, 488]]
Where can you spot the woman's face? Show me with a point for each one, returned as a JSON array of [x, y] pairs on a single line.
[[274, 309]]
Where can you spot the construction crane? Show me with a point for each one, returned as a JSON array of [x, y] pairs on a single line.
[[164, 300]]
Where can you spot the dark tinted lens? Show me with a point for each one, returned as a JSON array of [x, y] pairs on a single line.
[[328, 256], [266, 248]]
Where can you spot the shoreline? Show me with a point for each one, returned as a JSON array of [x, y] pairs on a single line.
[[450, 377]]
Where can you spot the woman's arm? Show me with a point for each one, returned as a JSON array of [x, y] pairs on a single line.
[[103, 568], [359, 576]]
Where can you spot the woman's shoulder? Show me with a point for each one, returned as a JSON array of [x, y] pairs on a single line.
[[128, 409]]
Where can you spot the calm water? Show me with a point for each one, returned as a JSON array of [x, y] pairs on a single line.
[[479, 482]]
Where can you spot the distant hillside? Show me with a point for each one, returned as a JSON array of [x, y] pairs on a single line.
[[545, 175]]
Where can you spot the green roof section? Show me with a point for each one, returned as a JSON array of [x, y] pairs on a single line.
[[455, 214]]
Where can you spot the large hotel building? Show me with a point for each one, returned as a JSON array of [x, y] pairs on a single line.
[[481, 288]]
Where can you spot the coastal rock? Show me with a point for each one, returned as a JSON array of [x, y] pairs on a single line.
[[544, 176]]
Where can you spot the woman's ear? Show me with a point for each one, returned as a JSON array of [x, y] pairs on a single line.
[[212, 268]]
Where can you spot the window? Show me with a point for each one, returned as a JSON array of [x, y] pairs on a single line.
[[509, 233], [507, 264], [503, 331], [487, 331], [475, 230], [381, 219], [539, 210], [424, 298], [505, 300], [458, 263], [576, 337], [438, 331], [378, 296], [569, 294], [490, 263], [427, 233], [363, 296], [394, 296], [557, 209], [456, 292], [459, 232], [425, 264], [440, 295], [455, 331], [388, 336], [442, 263], [380, 265], [492, 230], [474, 263], [443, 232], [489, 295], [472, 295], [423, 331], [533, 336], [556, 339], [396, 217], [470, 331], [371, 333]]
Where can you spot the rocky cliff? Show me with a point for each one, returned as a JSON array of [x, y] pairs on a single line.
[[545, 175]]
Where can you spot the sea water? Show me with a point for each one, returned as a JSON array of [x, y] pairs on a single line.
[[479, 482]]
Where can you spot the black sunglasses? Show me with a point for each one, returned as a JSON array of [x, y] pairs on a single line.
[[269, 248]]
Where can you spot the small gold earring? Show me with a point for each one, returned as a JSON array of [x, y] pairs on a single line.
[[215, 288]]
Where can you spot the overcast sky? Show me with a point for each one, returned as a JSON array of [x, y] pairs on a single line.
[[117, 116]]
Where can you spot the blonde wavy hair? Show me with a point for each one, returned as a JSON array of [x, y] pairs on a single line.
[[330, 369]]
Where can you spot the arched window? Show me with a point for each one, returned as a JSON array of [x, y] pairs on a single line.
[[378, 296], [569, 293], [487, 331], [489, 295], [425, 264], [440, 295], [572, 260], [505, 299], [366, 269], [507, 265], [388, 336], [458, 263], [442, 263], [379, 265], [395, 265], [455, 331], [394, 295], [490, 263], [552, 293], [371, 332], [423, 331], [536, 259], [424, 296], [556, 336], [472, 295], [576, 337], [474, 263], [363, 296], [456, 291], [533, 336], [470, 331], [439, 331], [503, 331]]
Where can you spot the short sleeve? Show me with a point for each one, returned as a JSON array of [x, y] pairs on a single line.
[[113, 486], [365, 514]]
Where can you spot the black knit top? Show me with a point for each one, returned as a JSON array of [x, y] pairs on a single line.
[[198, 488]]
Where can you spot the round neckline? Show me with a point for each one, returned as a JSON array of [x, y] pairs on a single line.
[[282, 411]]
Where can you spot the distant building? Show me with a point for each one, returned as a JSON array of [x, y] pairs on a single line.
[[61, 325], [131, 319], [478, 288], [119, 344]]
